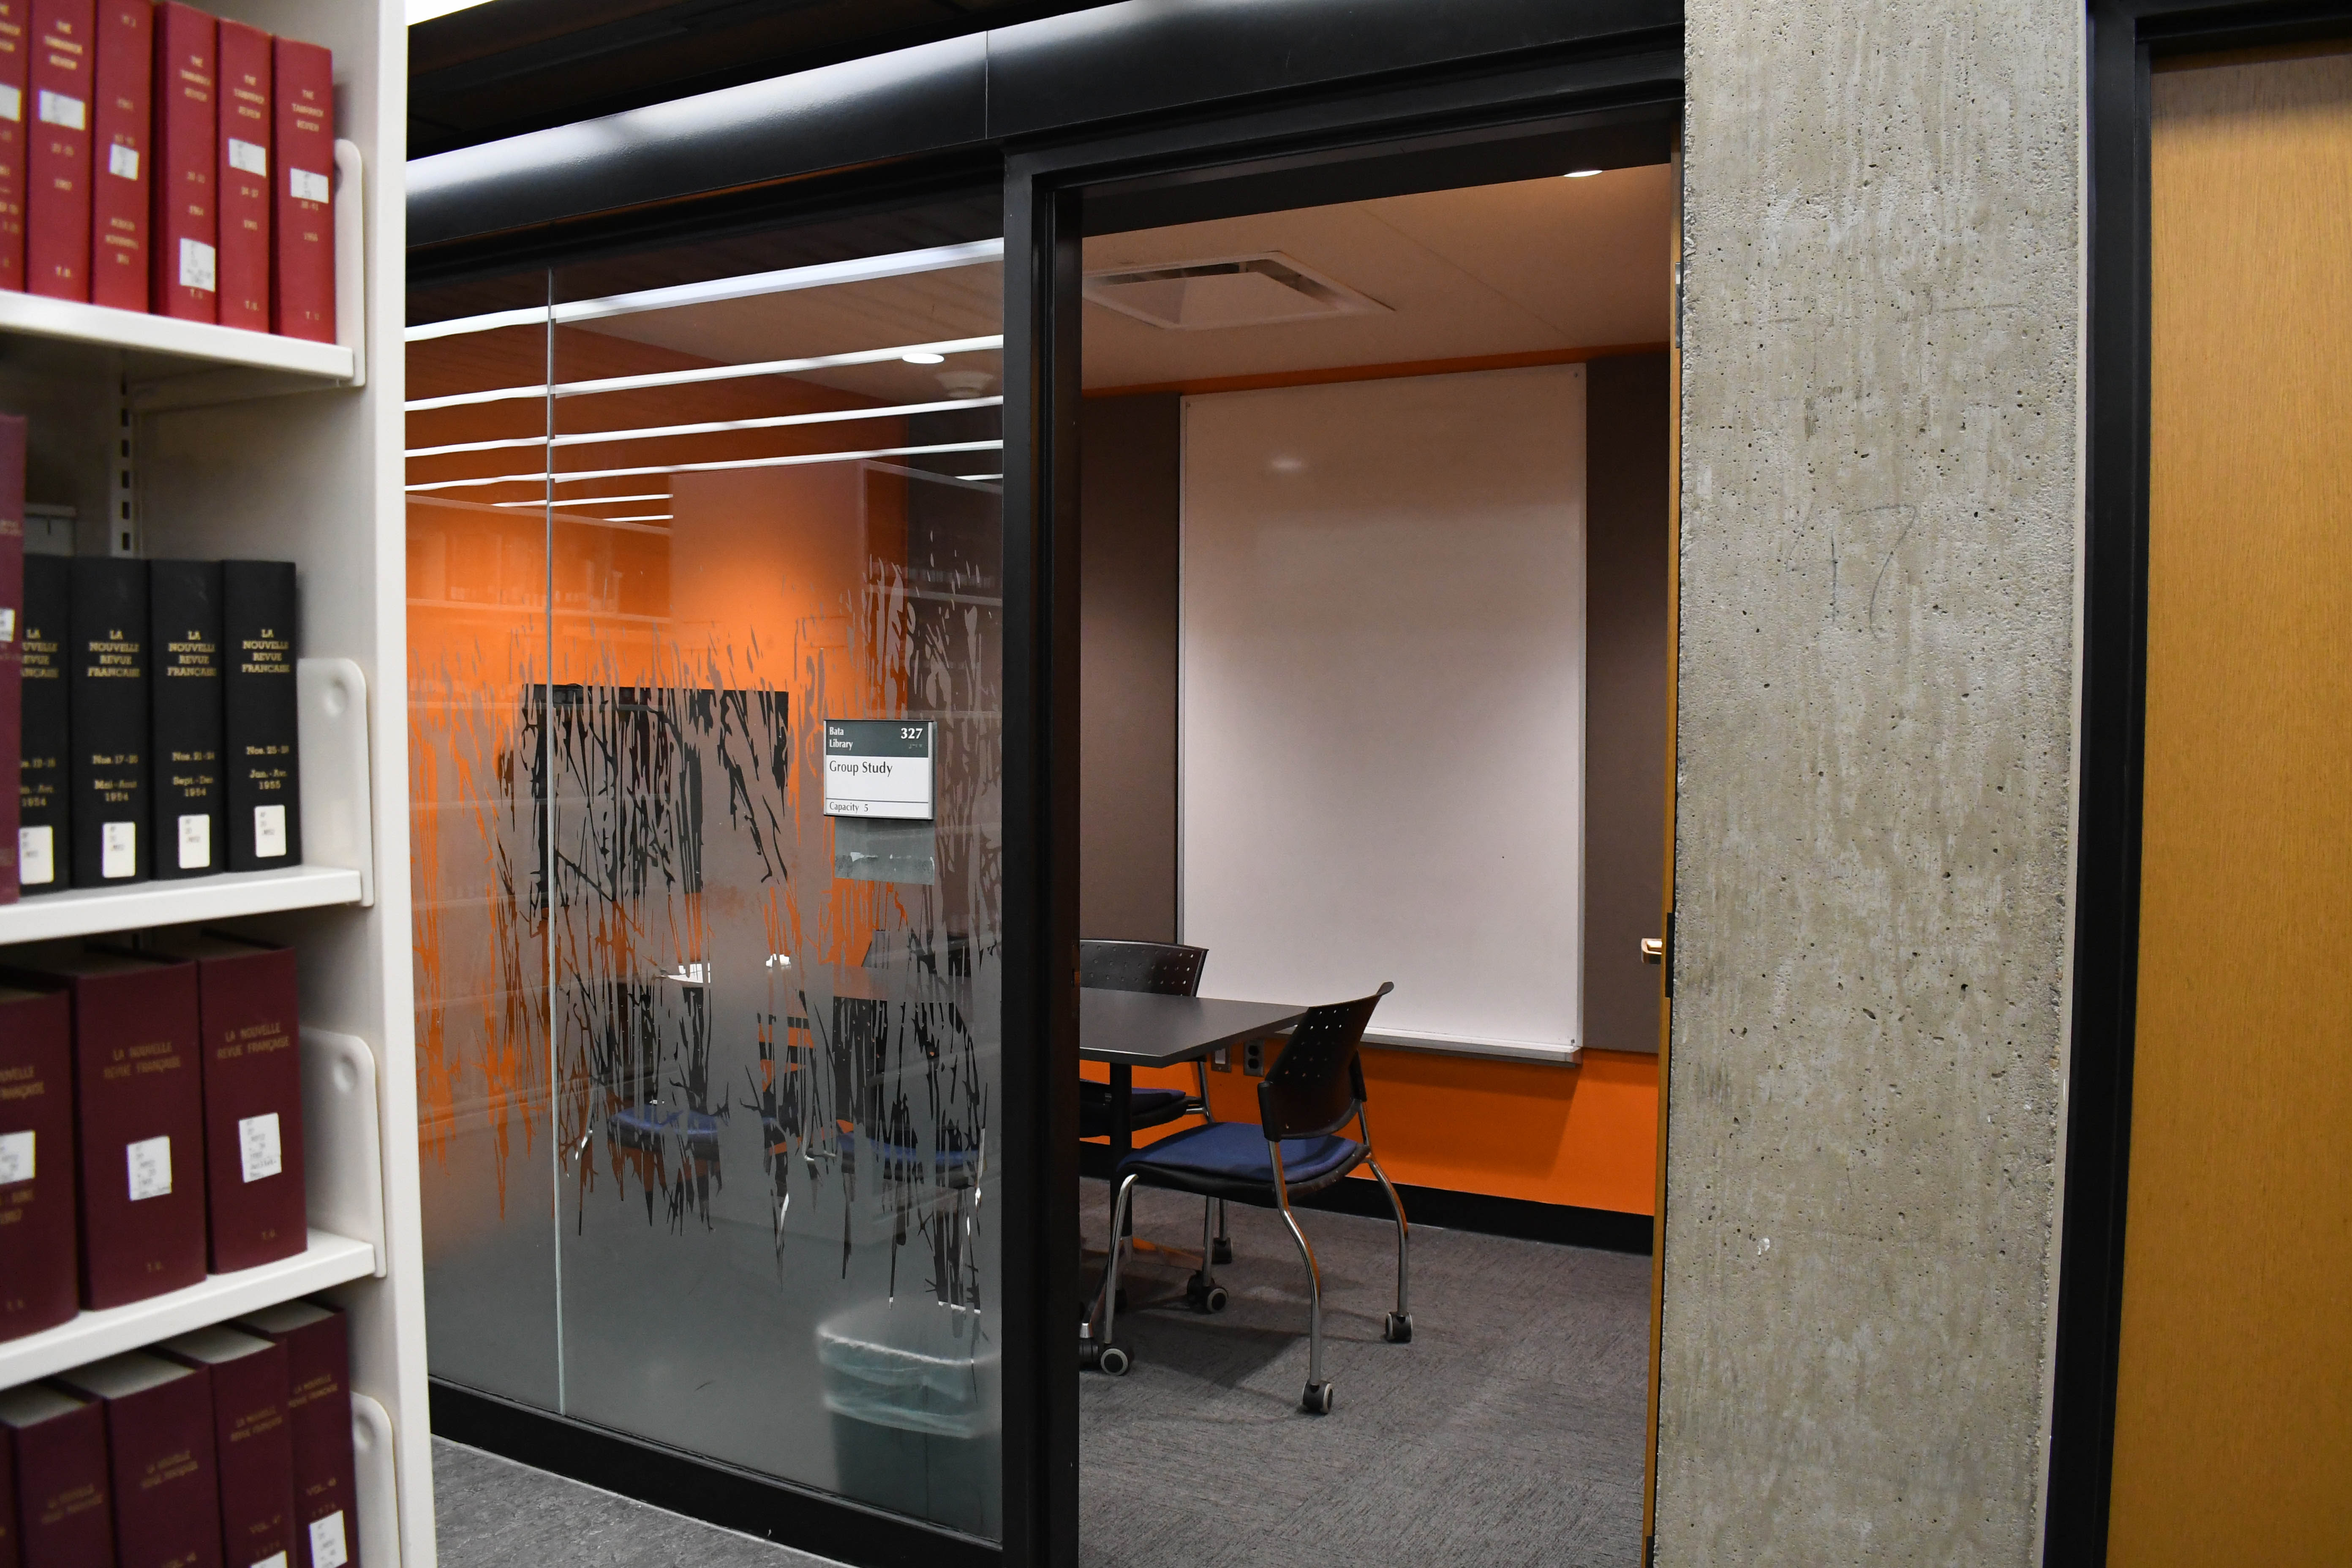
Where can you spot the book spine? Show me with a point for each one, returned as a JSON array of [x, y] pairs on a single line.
[[56, 205], [107, 683], [184, 603], [44, 839], [11, 1553], [318, 1362], [255, 1445], [15, 59], [62, 1495], [264, 818], [253, 1109], [141, 1133], [12, 649], [303, 303], [119, 166], [166, 1484], [38, 1283], [187, 133], [245, 127]]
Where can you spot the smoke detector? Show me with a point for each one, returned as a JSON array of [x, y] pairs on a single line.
[[1226, 291]]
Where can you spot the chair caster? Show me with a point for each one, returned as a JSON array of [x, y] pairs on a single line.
[[1111, 1361], [1220, 1250], [1316, 1400], [1210, 1300], [1398, 1329]]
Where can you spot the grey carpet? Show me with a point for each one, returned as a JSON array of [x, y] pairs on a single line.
[[1507, 1433], [490, 1512]]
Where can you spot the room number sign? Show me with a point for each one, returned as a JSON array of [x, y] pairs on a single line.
[[880, 767]]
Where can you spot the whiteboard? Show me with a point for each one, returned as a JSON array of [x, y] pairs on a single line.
[[1382, 668]]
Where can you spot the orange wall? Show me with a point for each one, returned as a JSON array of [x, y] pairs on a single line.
[[1586, 1135]]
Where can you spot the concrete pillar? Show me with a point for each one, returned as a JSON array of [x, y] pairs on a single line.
[[1882, 467]]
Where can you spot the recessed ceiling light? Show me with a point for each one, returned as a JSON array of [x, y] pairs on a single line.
[[1580, 174], [926, 359], [1290, 465]]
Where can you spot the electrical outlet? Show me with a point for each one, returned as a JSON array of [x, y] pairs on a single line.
[[1254, 1059]]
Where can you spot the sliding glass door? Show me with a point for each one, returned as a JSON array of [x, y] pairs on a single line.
[[707, 702]]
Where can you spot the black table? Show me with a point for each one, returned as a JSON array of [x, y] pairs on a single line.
[[1129, 1029]]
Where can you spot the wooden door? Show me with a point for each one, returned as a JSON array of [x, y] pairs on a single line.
[[2233, 1427]]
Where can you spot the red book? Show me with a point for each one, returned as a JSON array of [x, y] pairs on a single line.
[[247, 1002], [10, 1556], [12, 644], [58, 1444], [57, 202], [318, 1363], [302, 302], [253, 1445], [141, 1125], [15, 59], [159, 1459], [37, 1280], [245, 131], [187, 148], [118, 163]]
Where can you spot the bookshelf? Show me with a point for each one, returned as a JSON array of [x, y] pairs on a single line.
[[172, 439]]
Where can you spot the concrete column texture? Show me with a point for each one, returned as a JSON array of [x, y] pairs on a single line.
[[1882, 500]]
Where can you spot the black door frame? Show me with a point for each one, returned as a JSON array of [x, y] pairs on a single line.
[[2126, 37]]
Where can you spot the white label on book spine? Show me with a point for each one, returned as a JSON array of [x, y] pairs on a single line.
[[122, 161], [16, 1157], [305, 186], [118, 849], [12, 104], [36, 860], [151, 1168], [327, 1542], [268, 831], [7, 624], [275, 1560], [197, 270], [256, 1146], [196, 842], [250, 156], [56, 109]]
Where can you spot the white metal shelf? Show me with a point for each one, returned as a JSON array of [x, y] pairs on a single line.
[[92, 912], [162, 346], [330, 1259]]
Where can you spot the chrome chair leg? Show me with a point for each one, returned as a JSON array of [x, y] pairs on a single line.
[[1223, 1247], [1109, 1356], [1316, 1400], [1202, 1290], [1399, 1328]]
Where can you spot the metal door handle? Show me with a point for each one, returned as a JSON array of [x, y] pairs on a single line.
[[1654, 950]]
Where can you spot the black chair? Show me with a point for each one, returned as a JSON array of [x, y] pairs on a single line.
[[1163, 969], [1313, 1089]]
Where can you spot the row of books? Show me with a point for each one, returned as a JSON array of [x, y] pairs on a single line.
[[148, 708], [156, 158], [227, 1448], [151, 1123]]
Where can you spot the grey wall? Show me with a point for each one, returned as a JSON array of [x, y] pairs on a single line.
[[1130, 474], [1881, 342], [1625, 560]]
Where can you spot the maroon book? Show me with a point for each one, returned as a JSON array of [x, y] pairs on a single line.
[[187, 148], [140, 1123], [15, 60], [57, 204], [253, 1443], [38, 1287], [12, 639], [302, 304], [244, 185], [118, 163], [318, 1363], [255, 1206], [58, 1443], [159, 1459], [10, 1557]]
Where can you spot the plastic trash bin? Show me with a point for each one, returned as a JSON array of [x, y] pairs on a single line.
[[918, 1411]]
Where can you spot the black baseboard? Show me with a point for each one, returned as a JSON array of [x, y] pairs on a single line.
[[1563, 1225], [699, 1487]]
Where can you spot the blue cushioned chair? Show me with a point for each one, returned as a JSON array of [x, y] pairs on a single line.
[[1164, 969], [1315, 1089]]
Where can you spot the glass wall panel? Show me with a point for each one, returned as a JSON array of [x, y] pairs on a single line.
[[728, 839]]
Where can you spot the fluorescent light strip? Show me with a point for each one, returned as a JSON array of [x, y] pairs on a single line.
[[707, 427], [649, 517], [794, 460], [976, 479], [587, 500], [704, 373], [864, 270]]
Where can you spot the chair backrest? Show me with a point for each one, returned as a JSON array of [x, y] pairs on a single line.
[[1317, 1082], [1162, 968]]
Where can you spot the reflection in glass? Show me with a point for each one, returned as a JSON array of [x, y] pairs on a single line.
[[765, 1040]]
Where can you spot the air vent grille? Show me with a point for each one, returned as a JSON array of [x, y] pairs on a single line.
[[1226, 291]]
